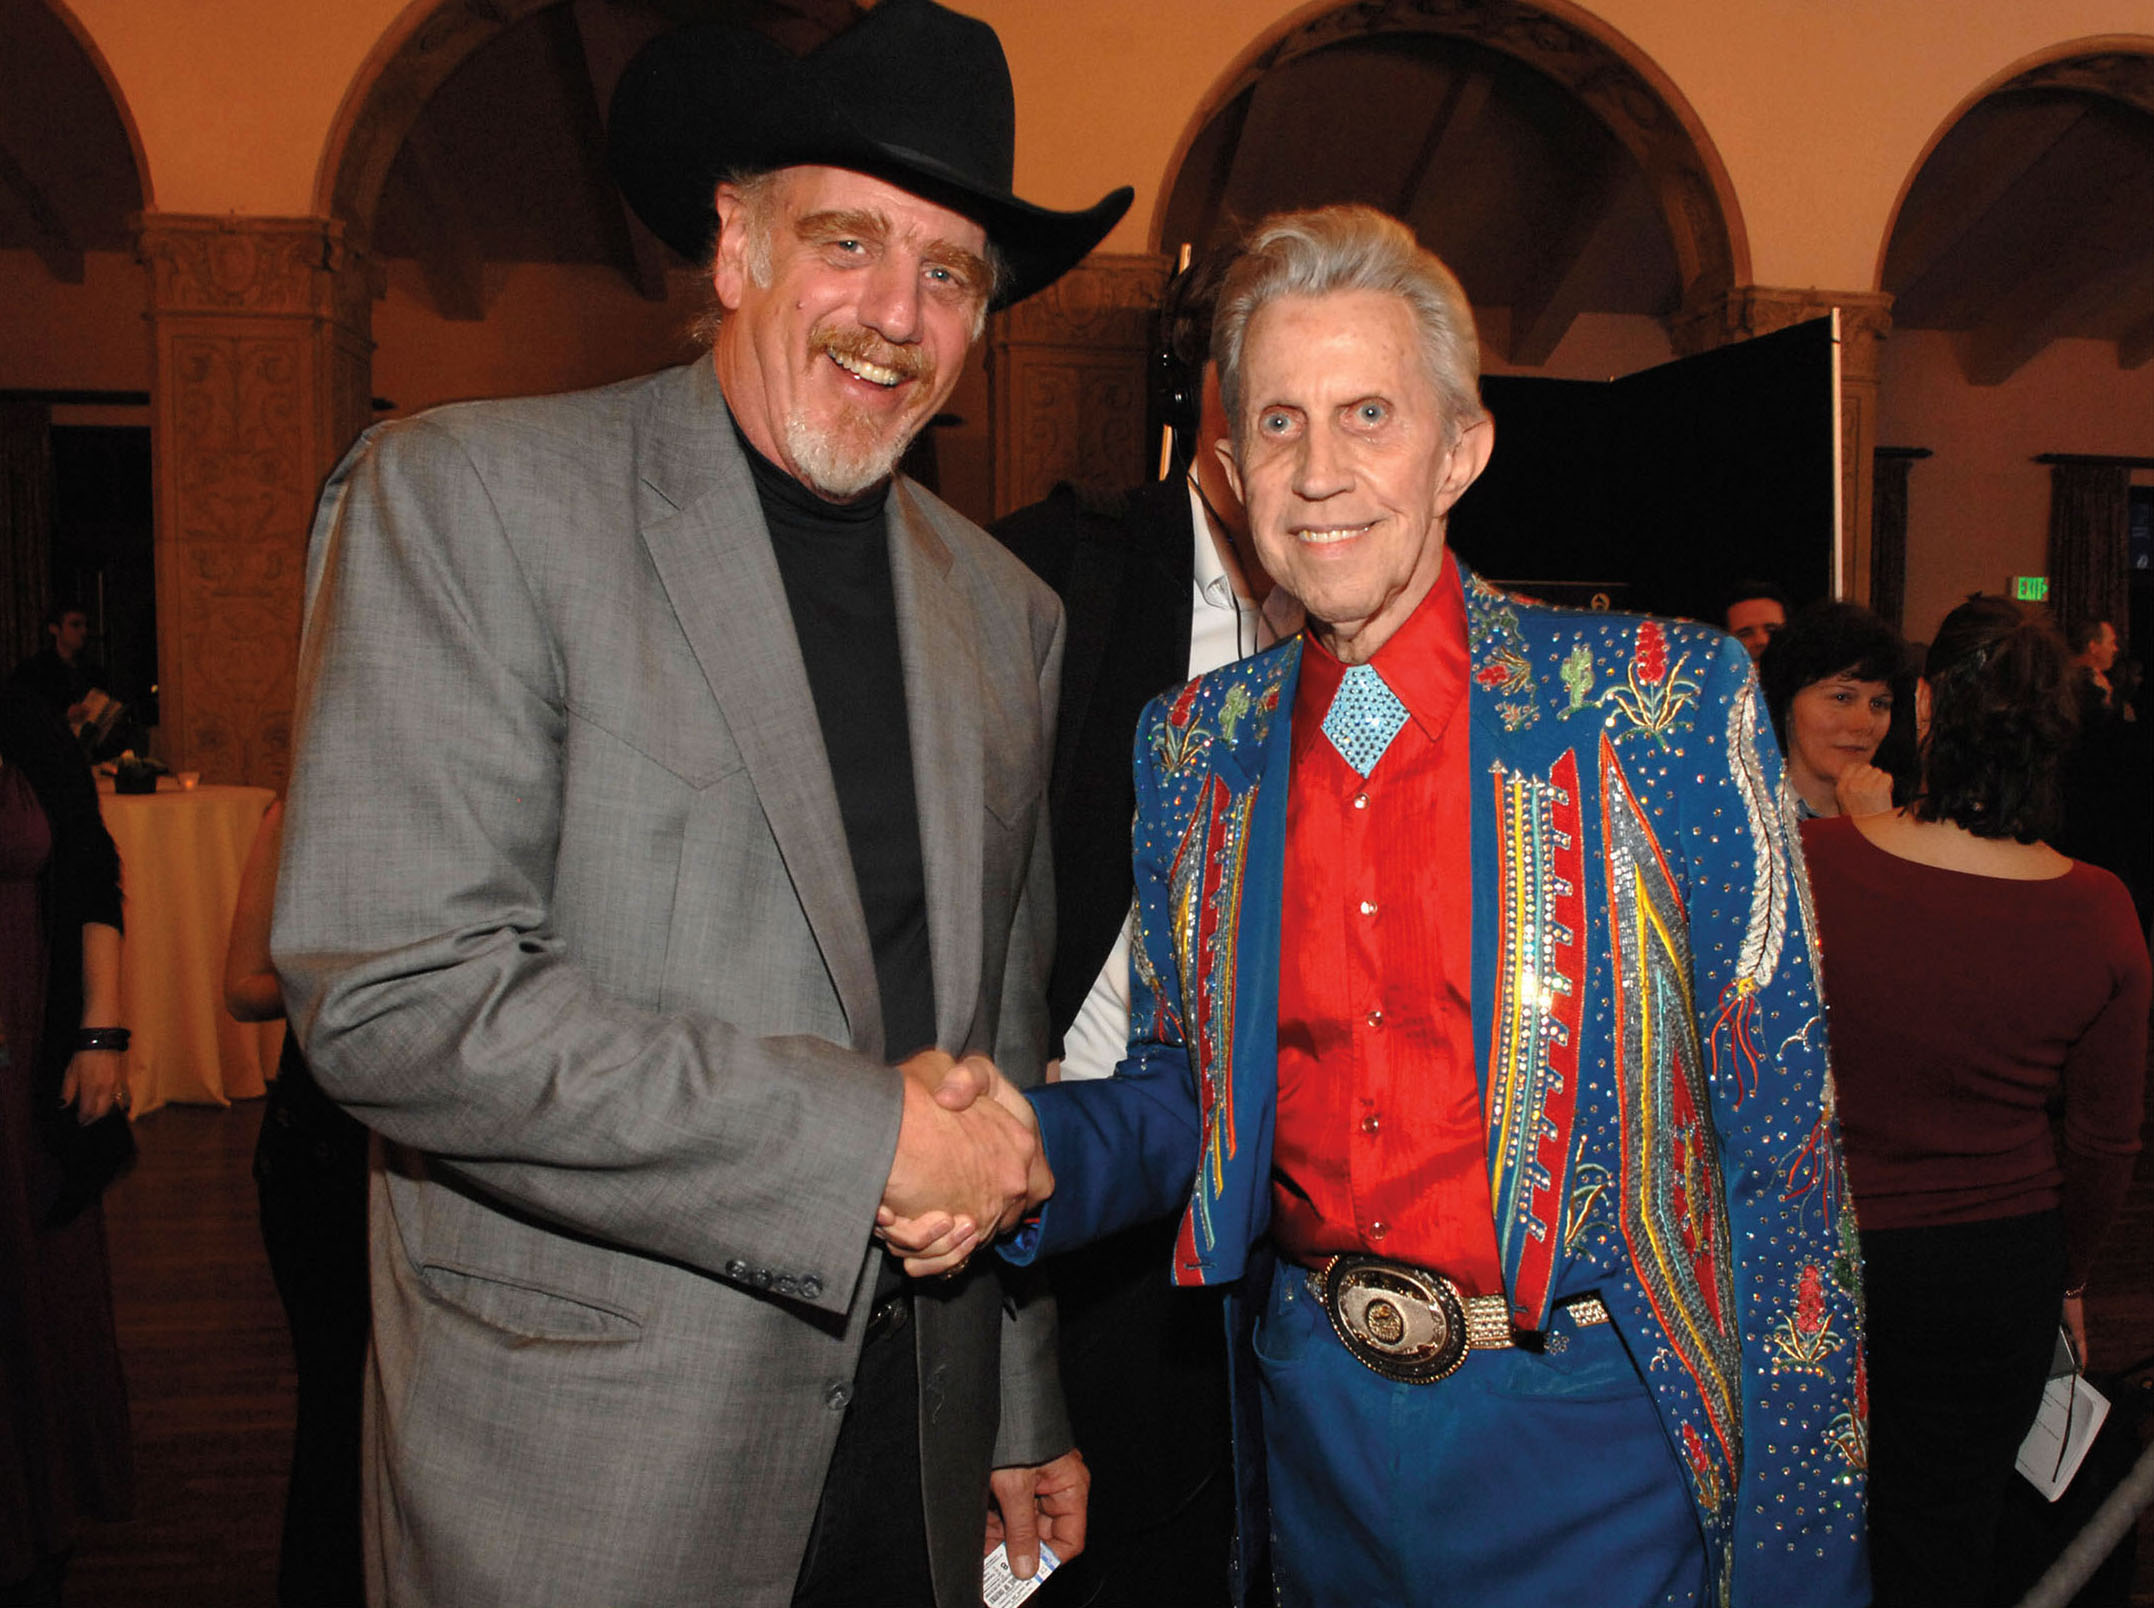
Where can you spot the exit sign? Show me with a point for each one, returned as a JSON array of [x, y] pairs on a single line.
[[2031, 588]]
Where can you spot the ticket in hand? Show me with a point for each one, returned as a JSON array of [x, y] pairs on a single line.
[[1001, 1589]]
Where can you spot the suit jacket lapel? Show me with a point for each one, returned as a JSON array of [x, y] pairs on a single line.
[[704, 529], [1269, 766], [942, 710], [1258, 755]]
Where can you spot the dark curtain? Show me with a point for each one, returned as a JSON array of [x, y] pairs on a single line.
[[2089, 533], [1888, 535], [25, 528]]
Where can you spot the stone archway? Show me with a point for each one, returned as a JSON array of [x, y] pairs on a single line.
[[72, 174], [1603, 72], [2024, 229], [406, 66], [2059, 132]]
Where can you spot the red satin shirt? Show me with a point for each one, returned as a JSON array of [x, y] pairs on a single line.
[[1381, 1145]]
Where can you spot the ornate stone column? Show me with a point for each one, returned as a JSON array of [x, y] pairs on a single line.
[[1067, 372], [262, 370], [1865, 320]]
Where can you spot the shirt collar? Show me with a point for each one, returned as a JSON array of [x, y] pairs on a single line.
[[1424, 663], [1279, 616], [1209, 574]]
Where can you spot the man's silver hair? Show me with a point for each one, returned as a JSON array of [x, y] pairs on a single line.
[[1353, 248], [758, 189]]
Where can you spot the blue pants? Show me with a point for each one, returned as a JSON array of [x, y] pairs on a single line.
[[1523, 1478]]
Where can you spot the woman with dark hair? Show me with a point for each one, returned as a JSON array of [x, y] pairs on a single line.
[[64, 1449], [1973, 977], [1841, 695]]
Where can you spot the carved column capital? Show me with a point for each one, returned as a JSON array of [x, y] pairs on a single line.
[[1106, 299], [1739, 314], [262, 369], [246, 265], [1068, 374]]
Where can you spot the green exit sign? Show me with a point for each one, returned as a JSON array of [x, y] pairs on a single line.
[[2031, 588]]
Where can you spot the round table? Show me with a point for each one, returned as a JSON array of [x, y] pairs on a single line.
[[181, 855]]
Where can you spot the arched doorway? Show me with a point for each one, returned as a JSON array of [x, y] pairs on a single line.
[[2021, 263], [1542, 156], [75, 522]]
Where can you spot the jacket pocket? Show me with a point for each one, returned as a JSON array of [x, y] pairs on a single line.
[[695, 748], [528, 1311]]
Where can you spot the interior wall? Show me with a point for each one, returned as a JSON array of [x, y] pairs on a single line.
[[234, 99], [94, 336], [548, 327], [1597, 346], [1978, 511]]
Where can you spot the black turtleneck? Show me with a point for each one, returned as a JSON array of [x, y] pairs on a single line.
[[835, 561]]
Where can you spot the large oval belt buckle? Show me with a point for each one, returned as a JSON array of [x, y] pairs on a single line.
[[1398, 1321]]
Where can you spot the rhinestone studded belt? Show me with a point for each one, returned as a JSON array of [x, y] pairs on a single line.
[[1414, 1326]]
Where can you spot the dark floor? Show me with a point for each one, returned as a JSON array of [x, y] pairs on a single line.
[[209, 1374], [209, 1367]]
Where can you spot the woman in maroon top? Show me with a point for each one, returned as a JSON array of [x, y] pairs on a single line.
[[1974, 978]]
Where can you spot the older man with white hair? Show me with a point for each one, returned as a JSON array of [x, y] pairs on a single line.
[[1475, 1030]]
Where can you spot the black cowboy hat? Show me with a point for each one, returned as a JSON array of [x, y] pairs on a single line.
[[913, 94]]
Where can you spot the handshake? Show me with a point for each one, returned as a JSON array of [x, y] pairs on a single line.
[[967, 1169]]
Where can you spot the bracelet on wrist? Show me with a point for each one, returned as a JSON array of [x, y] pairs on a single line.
[[102, 1038], [2074, 1295]]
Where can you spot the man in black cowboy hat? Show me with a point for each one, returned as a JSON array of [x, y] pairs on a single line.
[[668, 815]]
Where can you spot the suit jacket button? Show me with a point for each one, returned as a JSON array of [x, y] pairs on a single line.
[[784, 1284], [811, 1286], [736, 1269], [836, 1397], [762, 1278]]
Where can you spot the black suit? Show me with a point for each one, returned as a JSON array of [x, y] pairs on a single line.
[[1141, 1360]]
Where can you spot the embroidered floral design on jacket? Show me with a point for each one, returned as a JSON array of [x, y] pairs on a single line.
[[1578, 680], [1655, 694], [1849, 1432], [1500, 664], [1805, 1337]]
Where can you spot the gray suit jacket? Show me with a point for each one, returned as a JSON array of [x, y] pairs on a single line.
[[566, 915]]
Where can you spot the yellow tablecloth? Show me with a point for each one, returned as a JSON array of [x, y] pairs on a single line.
[[181, 854]]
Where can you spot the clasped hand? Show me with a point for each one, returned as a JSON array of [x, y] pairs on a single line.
[[967, 1169], [1863, 790]]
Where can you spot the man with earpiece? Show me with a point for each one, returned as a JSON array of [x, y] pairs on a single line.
[[1159, 585]]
